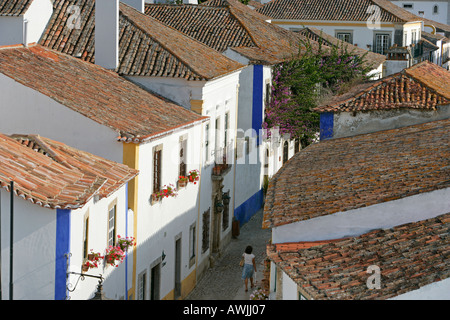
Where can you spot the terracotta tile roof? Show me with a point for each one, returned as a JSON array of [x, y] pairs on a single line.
[[409, 256], [99, 94], [372, 59], [348, 173], [213, 26], [422, 86], [146, 46], [440, 27], [336, 10], [54, 175], [14, 7], [230, 24]]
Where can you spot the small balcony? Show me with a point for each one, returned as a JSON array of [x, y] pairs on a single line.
[[223, 160]]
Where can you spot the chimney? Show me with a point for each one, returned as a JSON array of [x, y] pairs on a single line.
[[107, 33], [139, 5]]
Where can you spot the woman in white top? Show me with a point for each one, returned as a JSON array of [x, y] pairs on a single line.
[[249, 266]]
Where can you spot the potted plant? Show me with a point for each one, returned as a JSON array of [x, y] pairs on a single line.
[[258, 294], [114, 255], [168, 191], [194, 176], [226, 199], [182, 181], [125, 243], [156, 196], [93, 260]]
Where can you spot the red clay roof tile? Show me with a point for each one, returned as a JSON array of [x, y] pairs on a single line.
[[14, 7], [54, 175], [348, 173], [99, 94], [422, 86], [409, 256], [147, 47], [341, 10]]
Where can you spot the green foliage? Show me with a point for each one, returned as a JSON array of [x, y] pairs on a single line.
[[299, 84]]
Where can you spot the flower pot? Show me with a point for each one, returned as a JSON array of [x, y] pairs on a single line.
[[182, 183], [84, 268]]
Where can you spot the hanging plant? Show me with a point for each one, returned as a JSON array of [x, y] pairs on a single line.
[[114, 255], [125, 243], [93, 260], [194, 176]]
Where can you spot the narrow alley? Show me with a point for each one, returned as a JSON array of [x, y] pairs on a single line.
[[223, 280]]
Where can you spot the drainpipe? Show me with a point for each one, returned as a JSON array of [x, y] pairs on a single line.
[[11, 243], [25, 32]]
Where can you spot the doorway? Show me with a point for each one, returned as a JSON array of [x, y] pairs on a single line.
[[155, 282], [177, 291]]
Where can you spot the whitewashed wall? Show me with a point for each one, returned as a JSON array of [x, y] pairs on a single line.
[[359, 221], [34, 249], [427, 8], [26, 111], [160, 223], [114, 285], [37, 17], [27, 28]]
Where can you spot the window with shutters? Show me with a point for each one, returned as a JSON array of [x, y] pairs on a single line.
[[285, 152], [86, 236], [207, 143], [157, 168], [183, 148], [192, 244], [112, 212], [205, 230], [142, 284]]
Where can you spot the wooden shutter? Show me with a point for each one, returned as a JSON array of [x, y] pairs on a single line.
[[156, 170]]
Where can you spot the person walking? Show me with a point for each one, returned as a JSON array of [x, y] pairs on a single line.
[[249, 266]]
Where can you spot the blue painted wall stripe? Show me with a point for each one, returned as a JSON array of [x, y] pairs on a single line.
[[257, 107], [246, 210], [326, 125], [62, 247]]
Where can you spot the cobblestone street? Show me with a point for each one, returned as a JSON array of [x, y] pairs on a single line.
[[223, 280]]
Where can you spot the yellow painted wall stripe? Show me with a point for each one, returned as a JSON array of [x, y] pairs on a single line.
[[131, 159]]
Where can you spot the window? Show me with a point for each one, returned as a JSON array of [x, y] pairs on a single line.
[[142, 283], [407, 5], [205, 231], [227, 127], [405, 39], [226, 211], [207, 143], [192, 240], [267, 97], [157, 154], [382, 43], [435, 9], [85, 236], [112, 224], [183, 146], [285, 152], [414, 36], [345, 36]]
